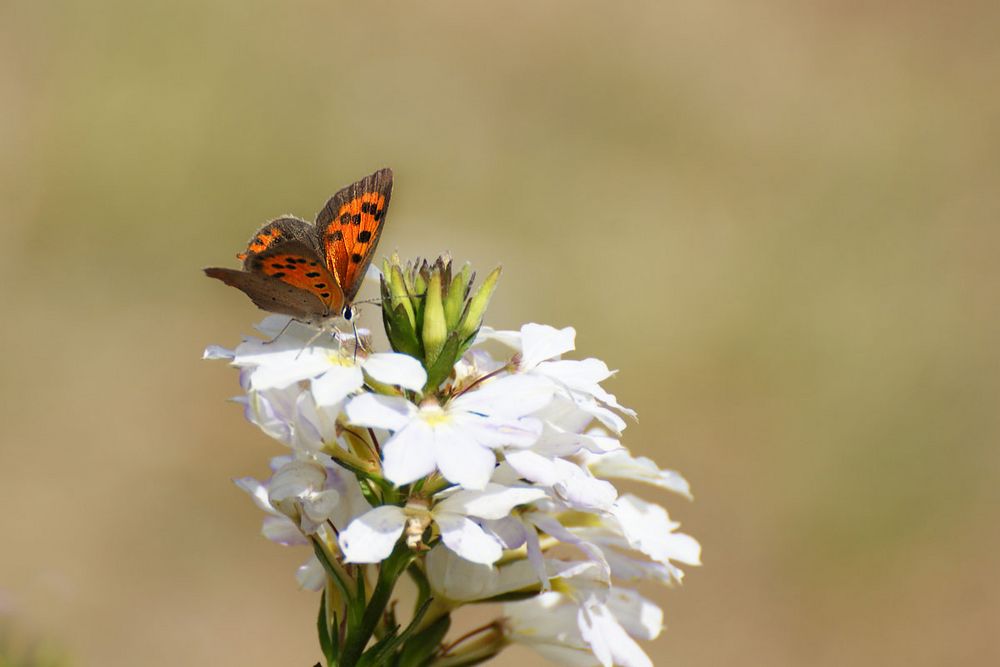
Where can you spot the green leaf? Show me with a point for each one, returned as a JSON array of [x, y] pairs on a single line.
[[331, 570], [423, 586], [425, 643], [323, 626], [378, 655], [389, 572]]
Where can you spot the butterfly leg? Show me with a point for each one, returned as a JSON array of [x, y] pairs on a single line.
[[278, 335], [312, 340]]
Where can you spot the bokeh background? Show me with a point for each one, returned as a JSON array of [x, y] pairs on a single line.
[[778, 219]]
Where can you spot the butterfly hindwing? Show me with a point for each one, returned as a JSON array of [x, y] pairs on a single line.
[[277, 231], [349, 226], [273, 295], [295, 263]]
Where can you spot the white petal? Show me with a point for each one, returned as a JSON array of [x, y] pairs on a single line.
[[608, 639], [622, 465], [321, 505], [295, 479], [493, 502], [508, 338], [257, 491], [534, 467], [641, 618], [311, 575], [461, 459], [377, 411], [284, 364], [396, 369], [454, 578], [509, 530], [213, 352], [409, 455], [281, 530], [466, 538], [497, 432], [336, 384], [540, 342], [509, 396], [648, 528], [583, 491], [371, 537], [581, 374], [610, 419]]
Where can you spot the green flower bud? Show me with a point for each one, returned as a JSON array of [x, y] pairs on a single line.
[[455, 299], [435, 329], [477, 307]]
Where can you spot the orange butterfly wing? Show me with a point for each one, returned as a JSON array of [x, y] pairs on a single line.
[[349, 226], [296, 263], [274, 232]]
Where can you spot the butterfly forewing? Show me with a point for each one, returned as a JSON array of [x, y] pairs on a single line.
[[349, 226], [311, 272]]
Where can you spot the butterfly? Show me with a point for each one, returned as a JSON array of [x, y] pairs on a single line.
[[312, 272]]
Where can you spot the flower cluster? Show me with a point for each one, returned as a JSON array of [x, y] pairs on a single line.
[[479, 462]]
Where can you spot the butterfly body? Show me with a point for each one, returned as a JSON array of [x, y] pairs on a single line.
[[312, 271]]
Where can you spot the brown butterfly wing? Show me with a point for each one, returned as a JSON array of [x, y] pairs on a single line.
[[273, 295], [297, 264], [280, 230], [349, 226]]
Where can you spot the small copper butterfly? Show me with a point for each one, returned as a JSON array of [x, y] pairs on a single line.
[[312, 272]]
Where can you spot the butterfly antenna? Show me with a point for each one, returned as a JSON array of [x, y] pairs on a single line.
[[283, 330], [357, 340], [391, 297]]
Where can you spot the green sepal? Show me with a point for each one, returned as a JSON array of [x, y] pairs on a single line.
[[454, 298], [477, 305], [443, 365], [425, 643]]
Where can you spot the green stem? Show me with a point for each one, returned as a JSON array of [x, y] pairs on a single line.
[[391, 569]]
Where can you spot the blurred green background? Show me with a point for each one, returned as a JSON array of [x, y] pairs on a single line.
[[778, 219]]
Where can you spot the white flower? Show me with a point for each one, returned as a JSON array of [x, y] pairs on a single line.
[[541, 346], [454, 578], [370, 538], [606, 622], [457, 438], [547, 623], [335, 368], [622, 465]]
